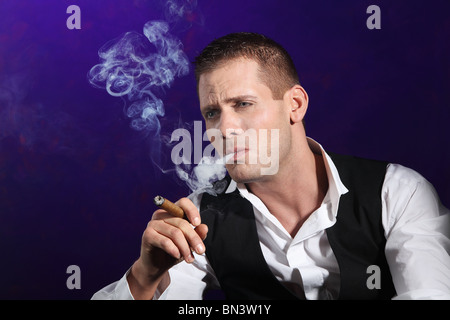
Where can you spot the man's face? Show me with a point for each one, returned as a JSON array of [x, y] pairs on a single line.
[[243, 121]]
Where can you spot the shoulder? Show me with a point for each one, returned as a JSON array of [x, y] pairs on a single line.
[[355, 164], [364, 176], [404, 182], [407, 196], [398, 173], [351, 161]]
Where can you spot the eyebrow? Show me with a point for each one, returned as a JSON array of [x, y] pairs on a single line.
[[231, 100], [240, 98]]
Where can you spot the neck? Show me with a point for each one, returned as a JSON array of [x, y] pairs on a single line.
[[304, 184]]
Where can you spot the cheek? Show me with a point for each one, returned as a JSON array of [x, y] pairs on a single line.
[[273, 128], [275, 116], [261, 120], [215, 137], [276, 123]]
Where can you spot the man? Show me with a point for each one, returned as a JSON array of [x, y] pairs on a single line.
[[319, 226]]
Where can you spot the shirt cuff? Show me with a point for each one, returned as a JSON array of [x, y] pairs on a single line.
[[118, 290], [162, 291]]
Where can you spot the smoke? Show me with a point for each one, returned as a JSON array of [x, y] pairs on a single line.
[[204, 177], [129, 68], [139, 68], [182, 12]]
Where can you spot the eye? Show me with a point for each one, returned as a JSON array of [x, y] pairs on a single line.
[[210, 114], [243, 104]]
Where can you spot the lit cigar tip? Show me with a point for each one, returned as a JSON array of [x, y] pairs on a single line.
[[158, 200]]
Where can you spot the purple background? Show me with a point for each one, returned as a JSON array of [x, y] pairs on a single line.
[[76, 182]]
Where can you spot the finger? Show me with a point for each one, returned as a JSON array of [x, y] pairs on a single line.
[[160, 214], [170, 239], [202, 231], [177, 236], [152, 238], [195, 243], [189, 233], [190, 210]]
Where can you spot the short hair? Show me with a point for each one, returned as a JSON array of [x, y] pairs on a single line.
[[276, 68]]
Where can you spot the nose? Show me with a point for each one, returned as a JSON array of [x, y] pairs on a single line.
[[230, 124]]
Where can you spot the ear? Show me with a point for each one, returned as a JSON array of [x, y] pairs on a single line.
[[298, 103]]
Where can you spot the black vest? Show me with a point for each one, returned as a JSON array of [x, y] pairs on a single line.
[[357, 238]]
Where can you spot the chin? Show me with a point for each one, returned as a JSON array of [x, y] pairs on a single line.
[[244, 173]]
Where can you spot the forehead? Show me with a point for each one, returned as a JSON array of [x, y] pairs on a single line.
[[231, 78]]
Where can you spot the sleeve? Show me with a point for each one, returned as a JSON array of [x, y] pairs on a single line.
[[417, 229], [187, 281], [118, 290]]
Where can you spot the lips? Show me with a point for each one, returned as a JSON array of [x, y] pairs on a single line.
[[233, 155]]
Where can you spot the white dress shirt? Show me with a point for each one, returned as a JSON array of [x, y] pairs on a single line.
[[416, 226]]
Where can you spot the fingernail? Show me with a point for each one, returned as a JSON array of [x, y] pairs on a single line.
[[196, 221], [199, 248], [190, 258]]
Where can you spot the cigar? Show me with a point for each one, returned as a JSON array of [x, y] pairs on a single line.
[[169, 206]]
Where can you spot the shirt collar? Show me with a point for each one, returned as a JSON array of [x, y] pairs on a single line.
[[335, 186]]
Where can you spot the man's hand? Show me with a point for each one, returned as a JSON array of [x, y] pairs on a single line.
[[166, 241]]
